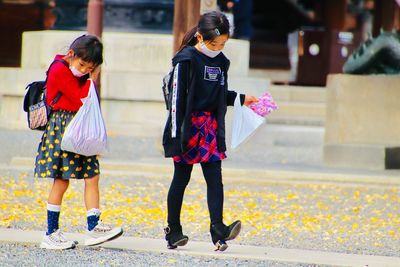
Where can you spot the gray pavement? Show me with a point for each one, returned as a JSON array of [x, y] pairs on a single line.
[[276, 183]]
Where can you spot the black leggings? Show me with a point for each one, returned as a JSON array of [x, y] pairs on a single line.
[[215, 191]]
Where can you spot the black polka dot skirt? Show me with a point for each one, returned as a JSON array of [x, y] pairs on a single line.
[[52, 162]]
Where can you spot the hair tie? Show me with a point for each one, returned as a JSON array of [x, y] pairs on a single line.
[[217, 32]]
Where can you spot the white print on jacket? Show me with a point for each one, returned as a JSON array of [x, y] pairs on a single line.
[[211, 73], [174, 99]]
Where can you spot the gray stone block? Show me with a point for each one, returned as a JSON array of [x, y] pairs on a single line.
[[362, 156]]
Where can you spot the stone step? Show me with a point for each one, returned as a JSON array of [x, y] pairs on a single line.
[[365, 156], [147, 86], [305, 94], [125, 85], [297, 105], [299, 113], [118, 112]]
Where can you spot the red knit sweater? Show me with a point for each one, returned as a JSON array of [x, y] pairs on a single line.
[[61, 79]]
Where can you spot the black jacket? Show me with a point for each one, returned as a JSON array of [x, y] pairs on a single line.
[[189, 75]]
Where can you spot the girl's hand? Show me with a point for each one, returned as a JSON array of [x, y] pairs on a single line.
[[249, 99], [95, 73]]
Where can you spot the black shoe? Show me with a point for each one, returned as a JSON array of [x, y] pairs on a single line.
[[175, 237], [221, 233], [234, 230]]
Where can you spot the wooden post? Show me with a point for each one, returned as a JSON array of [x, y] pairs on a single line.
[[95, 25], [95, 17], [335, 14], [193, 8], [386, 14], [186, 15]]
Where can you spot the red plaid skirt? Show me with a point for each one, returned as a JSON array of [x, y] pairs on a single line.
[[202, 146]]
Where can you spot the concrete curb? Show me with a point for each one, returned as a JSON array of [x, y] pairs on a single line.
[[247, 175], [196, 248]]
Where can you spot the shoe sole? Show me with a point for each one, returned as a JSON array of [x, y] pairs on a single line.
[[235, 231], [178, 243], [46, 246], [97, 241]]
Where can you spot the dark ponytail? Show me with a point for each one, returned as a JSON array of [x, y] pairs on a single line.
[[210, 26], [189, 39]]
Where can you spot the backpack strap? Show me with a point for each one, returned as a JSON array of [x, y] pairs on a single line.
[[59, 94]]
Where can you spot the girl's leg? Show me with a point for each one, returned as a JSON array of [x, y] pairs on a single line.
[[215, 199], [57, 191], [97, 231], [54, 238], [92, 199], [173, 233], [215, 190], [91, 195], [176, 191], [54, 204]]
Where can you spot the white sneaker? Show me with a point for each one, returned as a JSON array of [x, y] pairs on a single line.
[[56, 240], [102, 233]]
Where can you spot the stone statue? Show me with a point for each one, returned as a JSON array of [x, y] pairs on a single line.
[[380, 55]]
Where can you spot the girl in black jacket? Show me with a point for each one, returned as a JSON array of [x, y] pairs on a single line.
[[195, 129]]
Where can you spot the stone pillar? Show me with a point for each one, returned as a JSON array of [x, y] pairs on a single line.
[[362, 125]]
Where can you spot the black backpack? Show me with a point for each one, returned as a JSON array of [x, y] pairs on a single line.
[[167, 86], [35, 102]]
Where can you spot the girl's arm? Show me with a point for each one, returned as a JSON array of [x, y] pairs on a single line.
[[230, 99], [60, 79], [244, 99]]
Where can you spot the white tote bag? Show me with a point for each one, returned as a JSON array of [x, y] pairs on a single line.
[[245, 122], [86, 133]]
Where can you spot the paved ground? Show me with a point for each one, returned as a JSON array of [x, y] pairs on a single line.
[[322, 215]]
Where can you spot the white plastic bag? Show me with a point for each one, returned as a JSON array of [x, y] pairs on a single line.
[[86, 133], [245, 122]]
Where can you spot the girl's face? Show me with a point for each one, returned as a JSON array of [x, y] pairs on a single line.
[[217, 44], [81, 65]]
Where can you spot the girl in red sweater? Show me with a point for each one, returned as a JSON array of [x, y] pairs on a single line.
[[68, 81]]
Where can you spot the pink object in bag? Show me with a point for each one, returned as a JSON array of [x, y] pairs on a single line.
[[265, 105]]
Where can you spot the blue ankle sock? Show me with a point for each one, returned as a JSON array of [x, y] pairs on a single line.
[[53, 215], [93, 217]]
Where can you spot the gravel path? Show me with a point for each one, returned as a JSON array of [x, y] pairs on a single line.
[[356, 219], [346, 218]]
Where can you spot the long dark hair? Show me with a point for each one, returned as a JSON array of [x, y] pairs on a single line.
[[88, 48], [210, 26]]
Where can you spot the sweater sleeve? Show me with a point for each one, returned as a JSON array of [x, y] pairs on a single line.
[[179, 96], [60, 79]]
